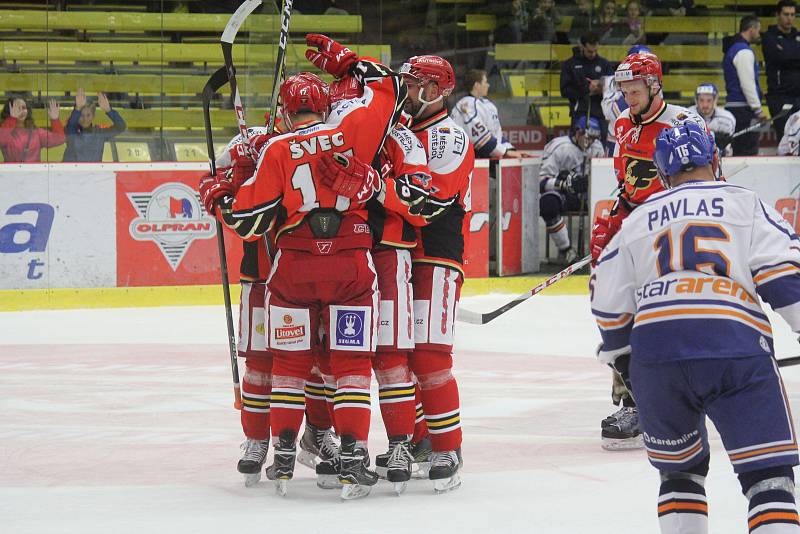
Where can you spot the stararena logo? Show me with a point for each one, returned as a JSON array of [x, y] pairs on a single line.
[[172, 216]]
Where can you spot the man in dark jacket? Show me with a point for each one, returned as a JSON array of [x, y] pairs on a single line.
[[781, 46], [741, 83], [84, 140], [581, 81]]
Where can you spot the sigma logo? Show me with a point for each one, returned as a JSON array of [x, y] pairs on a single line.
[[28, 231], [481, 218], [172, 217]]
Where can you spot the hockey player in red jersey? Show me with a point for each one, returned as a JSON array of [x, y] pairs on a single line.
[[640, 79], [438, 259], [323, 276]]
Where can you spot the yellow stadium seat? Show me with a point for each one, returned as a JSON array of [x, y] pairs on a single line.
[[670, 53], [128, 151], [553, 116], [195, 151]]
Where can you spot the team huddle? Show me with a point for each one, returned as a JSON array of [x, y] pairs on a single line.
[[357, 217], [354, 218]]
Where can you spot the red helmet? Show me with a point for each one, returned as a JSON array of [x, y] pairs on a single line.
[[640, 66], [431, 69], [344, 89], [304, 92]]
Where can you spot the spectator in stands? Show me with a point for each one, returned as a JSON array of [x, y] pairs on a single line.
[[85, 140], [781, 46], [581, 79], [543, 24], [607, 21], [477, 115], [667, 8], [741, 83], [20, 139], [634, 24], [582, 20]]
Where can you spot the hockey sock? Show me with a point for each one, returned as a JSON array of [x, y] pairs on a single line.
[[396, 392], [287, 402], [439, 398], [420, 426], [559, 234], [351, 403], [256, 387], [772, 508], [316, 403], [682, 506]]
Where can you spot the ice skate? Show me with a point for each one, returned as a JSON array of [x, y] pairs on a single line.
[[395, 464], [566, 257], [282, 468], [623, 432], [356, 479], [317, 445], [421, 452], [444, 471], [251, 462], [613, 418], [328, 473]]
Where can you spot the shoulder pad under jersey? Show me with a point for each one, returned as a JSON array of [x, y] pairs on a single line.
[[413, 150], [447, 147]]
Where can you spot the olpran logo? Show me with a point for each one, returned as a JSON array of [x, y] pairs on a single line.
[[172, 216]]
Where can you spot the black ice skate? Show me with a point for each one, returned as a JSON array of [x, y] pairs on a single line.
[[356, 479], [255, 454], [566, 257], [622, 431], [444, 470], [282, 468], [421, 452], [395, 464], [328, 473], [317, 445]]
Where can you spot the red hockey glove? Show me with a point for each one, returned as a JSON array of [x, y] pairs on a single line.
[[213, 188], [602, 232], [330, 56], [348, 176]]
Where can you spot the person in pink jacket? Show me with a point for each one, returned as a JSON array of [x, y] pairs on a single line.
[[20, 139]]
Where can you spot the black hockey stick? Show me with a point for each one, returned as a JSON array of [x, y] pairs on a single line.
[[280, 62], [788, 362], [467, 316], [781, 114], [214, 83]]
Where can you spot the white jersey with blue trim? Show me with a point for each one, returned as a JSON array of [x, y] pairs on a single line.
[[478, 117], [680, 280], [613, 104], [790, 142], [561, 154], [721, 121]]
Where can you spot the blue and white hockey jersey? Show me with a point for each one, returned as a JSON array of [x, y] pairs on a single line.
[[681, 278], [478, 117]]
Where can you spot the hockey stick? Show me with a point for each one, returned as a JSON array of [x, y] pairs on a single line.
[[214, 83], [781, 114], [788, 362], [467, 316]]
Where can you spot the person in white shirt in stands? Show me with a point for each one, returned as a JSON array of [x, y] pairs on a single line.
[[477, 115], [719, 120]]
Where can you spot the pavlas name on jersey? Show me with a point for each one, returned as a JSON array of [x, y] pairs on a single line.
[[680, 208]]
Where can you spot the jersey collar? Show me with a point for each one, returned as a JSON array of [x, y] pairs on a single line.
[[655, 116], [424, 124]]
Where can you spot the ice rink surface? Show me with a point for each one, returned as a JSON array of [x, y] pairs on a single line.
[[121, 421]]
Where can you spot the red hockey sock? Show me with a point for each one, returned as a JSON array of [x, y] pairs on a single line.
[[316, 404], [420, 426], [287, 403], [351, 403], [396, 392], [439, 398], [256, 388]]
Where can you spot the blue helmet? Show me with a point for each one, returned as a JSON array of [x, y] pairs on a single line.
[[683, 147], [638, 49], [706, 88], [593, 129]]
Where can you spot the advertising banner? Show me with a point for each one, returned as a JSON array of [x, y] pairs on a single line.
[[775, 179], [476, 255], [164, 235], [56, 227], [509, 229]]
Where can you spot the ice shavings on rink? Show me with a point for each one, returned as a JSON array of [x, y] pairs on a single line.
[[122, 420]]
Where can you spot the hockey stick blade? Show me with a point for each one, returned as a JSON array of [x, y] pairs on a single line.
[[788, 362], [237, 19], [467, 316]]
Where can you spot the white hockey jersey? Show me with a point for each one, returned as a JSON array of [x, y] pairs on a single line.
[[478, 117], [613, 104], [224, 159], [721, 121], [679, 281], [561, 154], [790, 142]]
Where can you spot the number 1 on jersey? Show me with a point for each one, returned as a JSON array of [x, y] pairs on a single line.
[[691, 256]]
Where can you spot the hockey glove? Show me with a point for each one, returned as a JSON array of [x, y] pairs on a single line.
[[348, 176], [411, 191], [214, 188], [330, 56], [722, 139], [572, 182], [606, 227]]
